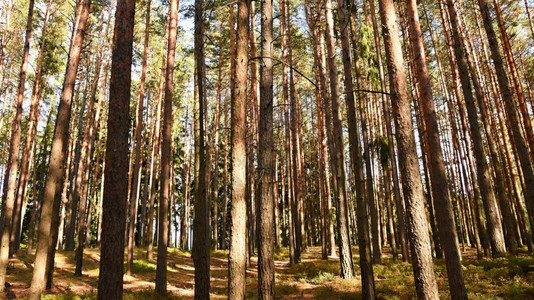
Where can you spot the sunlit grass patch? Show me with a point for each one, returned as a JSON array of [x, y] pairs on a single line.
[[321, 278], [141, 266], [70, 296], [310, 270], [281, 253], [286, 289], [149, 295], [219, 253], [337, 291]]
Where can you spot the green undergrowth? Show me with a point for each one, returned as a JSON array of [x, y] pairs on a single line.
[[128, 295], [311, 270], [508, 277], [219, 253]]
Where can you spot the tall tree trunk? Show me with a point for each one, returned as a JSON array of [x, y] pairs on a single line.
[[137, 146], [496, 236], [225, 164], [82, 178], [13, 160], [166, 162], [368, 285], [389, 132], [345, 252], [265, 159], [51, 201], [30, 140], [215, 188], [156, 134], [114, 197], [423, 267], [517, 137], [237, 255], [294, 248], [184, 226], [201, 240]]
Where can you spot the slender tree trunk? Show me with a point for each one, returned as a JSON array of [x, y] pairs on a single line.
[[115, 192], [294, 249], [201, 240], [154, 157], [323, 182], [30, 137], [368, 285], [215, 189], [165, 165], [51, 201], [345, 252], [517, 137], [184, 226], [423, 266], [12, 169], [237, 255], [82, 178], [225, 178], [265, 159], [496, 236], [137, 146]]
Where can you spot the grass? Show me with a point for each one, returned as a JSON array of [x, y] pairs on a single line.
[[501, 278]]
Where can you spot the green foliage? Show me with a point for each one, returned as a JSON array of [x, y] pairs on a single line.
[[382, 146], [368, 55]]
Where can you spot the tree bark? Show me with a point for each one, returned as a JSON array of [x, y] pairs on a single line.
[[423, 266], [166, 162], [517, 137], [114, 198], [137, 146], [201, 239], [30, 140], [13, 160], [51, 199], [237, 255], [345, 252], [265, 159], [368, 284]]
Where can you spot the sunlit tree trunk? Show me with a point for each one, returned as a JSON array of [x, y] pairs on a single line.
[[8, 204], [517, 137], [165, 163], [368, 285], [338, 168], [30, 139], [137, 147], [423, 266], [238, 230], [265, 159], [52, 196], [201, 239]]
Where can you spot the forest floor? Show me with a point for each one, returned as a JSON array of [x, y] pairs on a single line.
[[313, 278]]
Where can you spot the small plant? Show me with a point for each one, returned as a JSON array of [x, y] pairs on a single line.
[[322, 277]]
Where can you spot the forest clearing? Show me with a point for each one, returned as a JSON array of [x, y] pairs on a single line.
[[288, 149]]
